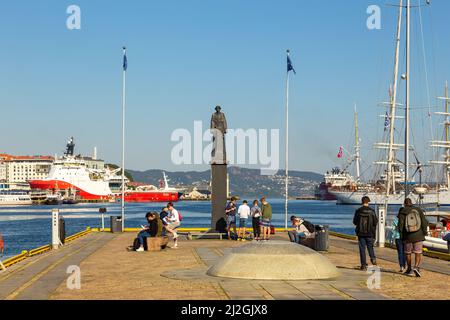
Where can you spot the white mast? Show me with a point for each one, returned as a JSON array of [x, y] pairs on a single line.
[[390, 179], [123, 134], [357, 148], [407, 100]]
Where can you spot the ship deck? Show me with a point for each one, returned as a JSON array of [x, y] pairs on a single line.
[[108, 271]]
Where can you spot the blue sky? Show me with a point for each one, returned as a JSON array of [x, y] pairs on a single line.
[[187, 56]]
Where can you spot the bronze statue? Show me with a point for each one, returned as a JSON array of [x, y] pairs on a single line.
[[218, 129]]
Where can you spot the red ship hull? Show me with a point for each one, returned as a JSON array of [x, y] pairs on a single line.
[[62, 185], [324, 193], [150, 196], [134, 196]]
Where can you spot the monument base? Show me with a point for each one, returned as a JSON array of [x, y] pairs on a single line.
[[218, 196]]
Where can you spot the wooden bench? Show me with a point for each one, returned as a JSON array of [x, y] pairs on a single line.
[[157, 244]]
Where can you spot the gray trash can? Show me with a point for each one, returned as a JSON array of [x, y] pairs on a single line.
[[62, 230], [116, 224], [322, 238]]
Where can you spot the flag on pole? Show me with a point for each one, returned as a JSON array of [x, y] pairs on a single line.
[[387, 122], [290, 67], [341, 153], [125, 61]]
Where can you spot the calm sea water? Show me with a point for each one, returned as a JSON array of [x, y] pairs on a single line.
[[25, 228]]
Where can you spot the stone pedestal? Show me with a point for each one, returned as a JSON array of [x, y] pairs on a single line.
[[218, 193]]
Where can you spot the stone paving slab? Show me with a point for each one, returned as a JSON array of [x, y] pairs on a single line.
[[114, 273], [28, 269]]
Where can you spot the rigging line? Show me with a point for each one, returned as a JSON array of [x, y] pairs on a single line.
[[426, 72]]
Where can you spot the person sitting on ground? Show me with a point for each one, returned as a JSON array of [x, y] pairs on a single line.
[[413, 227], [255, 213], [173, 223], [244, 213], [266, 214], [366, 222], [230, 212], [151, 230]]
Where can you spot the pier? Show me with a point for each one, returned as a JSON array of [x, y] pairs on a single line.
[[108, 271]]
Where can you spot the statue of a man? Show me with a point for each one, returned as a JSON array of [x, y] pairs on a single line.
[[218, 129]]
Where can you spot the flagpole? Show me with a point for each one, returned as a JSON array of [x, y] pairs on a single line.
[[287, 150], [123, 137]]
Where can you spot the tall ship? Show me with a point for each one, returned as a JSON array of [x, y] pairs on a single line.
[[393, 179], [70, 174], [341, 179]]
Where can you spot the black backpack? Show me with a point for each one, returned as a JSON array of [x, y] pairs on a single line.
[[309, 226], [365, 225]]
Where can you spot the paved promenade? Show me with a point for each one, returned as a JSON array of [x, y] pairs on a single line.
[[108, 271]]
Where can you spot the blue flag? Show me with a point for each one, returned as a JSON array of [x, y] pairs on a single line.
[[289, 65], [387, 122], [125, 61]]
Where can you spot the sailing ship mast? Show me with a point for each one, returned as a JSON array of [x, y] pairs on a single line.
[[407, 100], [357, 148], [390, 180], [446, 143]]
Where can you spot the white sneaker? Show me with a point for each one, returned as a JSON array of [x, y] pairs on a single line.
[[140, 249]]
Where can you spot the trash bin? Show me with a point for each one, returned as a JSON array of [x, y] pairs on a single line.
[[322, 238], [62, 230], [116, 224]]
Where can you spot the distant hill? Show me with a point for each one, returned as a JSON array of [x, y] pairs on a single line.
[[243, 182]]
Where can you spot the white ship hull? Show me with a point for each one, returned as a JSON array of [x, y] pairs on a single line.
[[354, 198], [15, 200]]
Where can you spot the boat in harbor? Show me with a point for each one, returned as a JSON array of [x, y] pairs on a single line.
[[393, 184], [14, 194], [70, 174]]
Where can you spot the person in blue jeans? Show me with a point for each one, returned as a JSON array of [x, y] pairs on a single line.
[[151, 230], [395, 238], [366, 222]]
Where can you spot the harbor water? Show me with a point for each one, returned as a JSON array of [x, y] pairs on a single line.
[[25, 228]]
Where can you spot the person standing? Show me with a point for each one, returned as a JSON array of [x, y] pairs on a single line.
[[366, 222], [230, 212], [173, 223], [396, 239], [244, 213], [413, 227], [266, 214], [255, 213]]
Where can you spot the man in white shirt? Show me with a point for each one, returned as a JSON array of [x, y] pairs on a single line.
[[244, 213], [173, 223]]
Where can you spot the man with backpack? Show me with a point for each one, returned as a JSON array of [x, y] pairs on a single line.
[[413, 227], [366, 222]]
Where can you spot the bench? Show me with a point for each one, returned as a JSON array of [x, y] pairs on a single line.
[[157, 243], [199, 235]]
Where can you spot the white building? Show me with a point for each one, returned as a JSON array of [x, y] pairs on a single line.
[[2, 171], [25, 168]]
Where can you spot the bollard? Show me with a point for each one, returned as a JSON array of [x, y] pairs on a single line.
[[381, 232], [102, 211], [55, 229]]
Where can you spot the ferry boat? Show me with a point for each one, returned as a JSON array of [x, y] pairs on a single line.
[[11, 195], [150, 193], [71, 173]]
